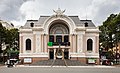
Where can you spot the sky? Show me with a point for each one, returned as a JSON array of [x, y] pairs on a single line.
[[18, 11]]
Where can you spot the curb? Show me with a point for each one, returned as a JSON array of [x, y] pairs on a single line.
[[99, 66]]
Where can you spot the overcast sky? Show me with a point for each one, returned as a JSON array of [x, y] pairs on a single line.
[[18, 11]]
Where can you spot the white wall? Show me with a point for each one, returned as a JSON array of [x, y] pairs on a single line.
[[25, 37]]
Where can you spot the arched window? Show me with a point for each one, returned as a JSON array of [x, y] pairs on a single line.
[[89, 45], [59, 28], [28, 44]]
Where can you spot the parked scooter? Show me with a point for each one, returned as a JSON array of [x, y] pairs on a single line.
[[10, 63]]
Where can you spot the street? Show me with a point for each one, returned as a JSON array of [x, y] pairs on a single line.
[[60, 70]]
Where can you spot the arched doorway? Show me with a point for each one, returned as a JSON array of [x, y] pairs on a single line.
[[59, 35]]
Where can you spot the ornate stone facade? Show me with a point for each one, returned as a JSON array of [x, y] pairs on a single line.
[[77, 39]]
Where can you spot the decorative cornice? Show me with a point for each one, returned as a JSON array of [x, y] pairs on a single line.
[[37, 29], [80, 29], [92, 30], [26, 30]]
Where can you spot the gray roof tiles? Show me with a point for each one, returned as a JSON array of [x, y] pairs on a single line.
[[76, 20], [90, 23], [42, 19]]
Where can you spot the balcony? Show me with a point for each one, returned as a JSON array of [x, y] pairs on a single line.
[[56, 44]]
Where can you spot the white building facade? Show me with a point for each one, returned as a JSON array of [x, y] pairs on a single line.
[[71, 38]]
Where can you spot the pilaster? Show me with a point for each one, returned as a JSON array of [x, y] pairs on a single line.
[[42, 43], [21, 44], [54, 54], [97, 44], [34, 43], [38, 43], [74, 43], [71, 43], [78, 43]]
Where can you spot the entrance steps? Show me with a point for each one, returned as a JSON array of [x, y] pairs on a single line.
[[59, 62], [43, 63], [75, 63]]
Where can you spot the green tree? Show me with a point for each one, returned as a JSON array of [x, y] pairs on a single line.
[[107, 30], [110, 34], [116, 31], [14, 34], [2, 36], [12, 37], [2, 39], [9, 37]]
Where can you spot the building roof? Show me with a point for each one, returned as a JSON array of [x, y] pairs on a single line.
[[42, 19], [90, 23], [75, 19]]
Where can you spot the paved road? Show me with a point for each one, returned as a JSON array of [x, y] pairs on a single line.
[[60, 70]]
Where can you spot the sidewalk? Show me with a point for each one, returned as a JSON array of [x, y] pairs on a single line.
[[95, 66], [89, 66]]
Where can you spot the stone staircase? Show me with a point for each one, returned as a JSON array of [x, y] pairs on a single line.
[[59, 62], [43, 63], [75, 63]]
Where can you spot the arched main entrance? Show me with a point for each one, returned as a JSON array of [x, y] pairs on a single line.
[[59, 36]]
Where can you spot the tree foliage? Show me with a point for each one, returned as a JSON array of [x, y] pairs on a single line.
[[2, 35], [9, 37], [110, 31]]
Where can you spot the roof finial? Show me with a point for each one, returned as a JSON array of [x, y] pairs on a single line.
[[59, 11]]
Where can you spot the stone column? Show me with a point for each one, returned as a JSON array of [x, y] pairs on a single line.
[[74, 43], [62, 54], [38, 43], [78, 44], [69, 54], [81, 42], [54, 53], [97, 44], [84, 44], [45, 43], [62, 38], [42, 42], [34, 43], [48, 54], [21, 44], [94, 44], [71, 43], [54, 38]]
